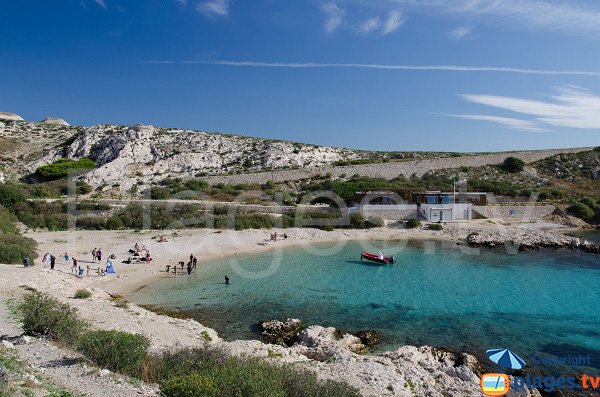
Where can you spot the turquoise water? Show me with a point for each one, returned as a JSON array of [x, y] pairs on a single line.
[[438, 294]]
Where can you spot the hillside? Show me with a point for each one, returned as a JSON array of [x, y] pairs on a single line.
[[138, 154], [129, 159]]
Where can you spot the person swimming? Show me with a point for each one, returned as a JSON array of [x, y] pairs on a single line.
[[226, 280]]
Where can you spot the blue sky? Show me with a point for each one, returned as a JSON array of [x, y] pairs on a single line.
[[463, 75]]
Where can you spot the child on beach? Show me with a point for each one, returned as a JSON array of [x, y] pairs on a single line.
[[66, 258]]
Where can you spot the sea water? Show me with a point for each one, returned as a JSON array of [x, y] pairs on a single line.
[[539, 302]]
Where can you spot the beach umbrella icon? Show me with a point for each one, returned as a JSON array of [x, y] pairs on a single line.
[[505, 358]]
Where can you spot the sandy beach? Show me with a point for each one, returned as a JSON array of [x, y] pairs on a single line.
[[374, 375]]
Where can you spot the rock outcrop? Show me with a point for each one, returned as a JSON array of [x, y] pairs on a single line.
[[54, 120], [282, 333], [10, 116], [531, 240]]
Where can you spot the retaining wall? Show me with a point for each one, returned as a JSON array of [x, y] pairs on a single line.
[[519, 213], [390, 170]]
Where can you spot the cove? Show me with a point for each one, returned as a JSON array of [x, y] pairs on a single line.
[[544, 302]]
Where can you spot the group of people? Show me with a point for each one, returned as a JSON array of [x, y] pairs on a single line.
[[49, 261], [191, 265], [274, 236], [96, 254]]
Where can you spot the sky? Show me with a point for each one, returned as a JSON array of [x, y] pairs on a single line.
[[444, 75]]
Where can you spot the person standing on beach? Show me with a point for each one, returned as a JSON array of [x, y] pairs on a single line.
[[45, 260], [189, 268], [52, 262], [226, 280], [74, 266], [94, 255], [99, 255], [66, 258]]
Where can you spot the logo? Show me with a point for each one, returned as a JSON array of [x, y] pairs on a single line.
[[495, 384]]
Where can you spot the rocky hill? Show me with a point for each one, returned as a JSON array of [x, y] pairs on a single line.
[[143, 155], [139, 154]]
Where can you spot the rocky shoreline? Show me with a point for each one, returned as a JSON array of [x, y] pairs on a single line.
[[531, 240]]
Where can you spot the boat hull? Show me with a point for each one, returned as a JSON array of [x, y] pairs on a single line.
[[374, 258]]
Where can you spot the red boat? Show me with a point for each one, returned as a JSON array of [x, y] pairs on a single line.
[[375, 258]]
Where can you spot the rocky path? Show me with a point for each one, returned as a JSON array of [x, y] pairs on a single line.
[[66, 369]]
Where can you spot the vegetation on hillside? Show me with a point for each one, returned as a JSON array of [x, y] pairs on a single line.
[[186, 372], [61, 168], [13, 246]]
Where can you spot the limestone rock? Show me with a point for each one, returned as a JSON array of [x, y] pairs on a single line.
[[54, 120], [282, 333], [368, 338], [10, 116]]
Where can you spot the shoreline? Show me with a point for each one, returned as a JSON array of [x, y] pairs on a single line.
[[434, 371], [209, 245]]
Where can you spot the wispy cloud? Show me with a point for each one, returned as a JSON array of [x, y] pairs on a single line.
[[214, 8], [512, 123], [334, 16], [571, 16], [101, 3], [393, 22], [369, 25], [460, 32], [436, 68], [571, 107]]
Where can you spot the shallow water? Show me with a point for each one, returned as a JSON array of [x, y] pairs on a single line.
[[438, 294]]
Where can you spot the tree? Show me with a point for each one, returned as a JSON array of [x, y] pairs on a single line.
[[513, 165], [10, 196]]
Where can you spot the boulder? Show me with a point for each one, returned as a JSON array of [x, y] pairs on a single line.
[[10, 116], [368, 338], [282, 333]]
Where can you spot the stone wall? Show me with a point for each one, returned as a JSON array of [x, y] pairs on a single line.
[[518, 213], [391, 212], [389, 170]]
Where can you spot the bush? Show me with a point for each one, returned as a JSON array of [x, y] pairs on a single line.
[[193, 385], [10, 196], [115, 350], [413, 223], [436, 226], [7, 221], [590, 202], [14, 247], [582, 211], [513, 165], [82, 294], [60, 168], [43, 315], [178, 372]]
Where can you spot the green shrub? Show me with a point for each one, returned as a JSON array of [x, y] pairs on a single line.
[[413, 223], [582, 211], [60, 168], [436, 226], [7, 221], [43, 315], [193, 385], [513, 165], [82, 294], [590, 202], [115, 350], [234, 377], [10, 196], [160, 193], [14, 247]]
